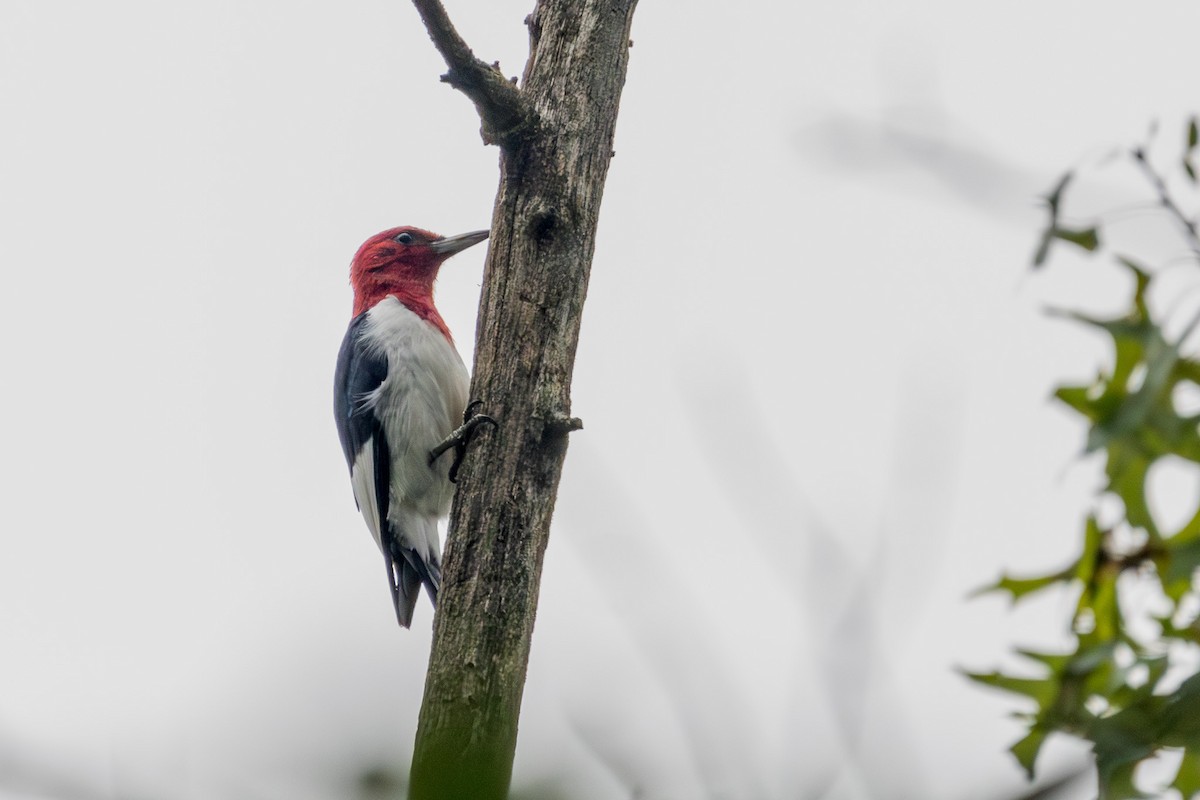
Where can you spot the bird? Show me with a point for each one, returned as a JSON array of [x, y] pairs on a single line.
[[400, 393]]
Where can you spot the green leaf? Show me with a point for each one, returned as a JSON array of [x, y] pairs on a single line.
[[1187, 152], [1087, 238], [1093, 539], [1187, 780], [1180, 716], [1156, 667], [1057, 662], [1078, 398], [1181, 562], [1108, 691], [1141, 277], [1188, 633], [1019, 588], [1132, 409], [1189, 532], [1116, 783], [1124, 694], [1121, 741], [1090, 659], [1126, 470], [1041, 690], [1053, 201], [1026, 750], [1043, 248], [1053, 198], [1105, 607]]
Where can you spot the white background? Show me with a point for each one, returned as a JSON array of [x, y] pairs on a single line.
[[813, 376]]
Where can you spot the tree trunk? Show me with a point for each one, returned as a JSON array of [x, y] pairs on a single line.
[[555, 135]]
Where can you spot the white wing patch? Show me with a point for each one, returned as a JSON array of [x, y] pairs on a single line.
[[362, 481]]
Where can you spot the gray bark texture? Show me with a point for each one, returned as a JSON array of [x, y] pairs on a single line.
[[555, 135]]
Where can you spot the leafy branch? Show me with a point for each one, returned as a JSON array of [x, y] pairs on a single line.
[[1132, 694]]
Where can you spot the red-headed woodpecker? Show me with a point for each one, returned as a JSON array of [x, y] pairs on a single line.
[[400, 390]]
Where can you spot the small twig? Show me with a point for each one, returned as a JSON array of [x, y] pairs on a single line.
[[562, 424], [1168, 202], [505, 114]]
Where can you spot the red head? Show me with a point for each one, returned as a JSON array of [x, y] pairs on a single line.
[[404, 262]]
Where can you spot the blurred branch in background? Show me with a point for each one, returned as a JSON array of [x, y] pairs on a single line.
[[841, 597], [923, 137], [915, 131], [1130, 685], [693, 673]]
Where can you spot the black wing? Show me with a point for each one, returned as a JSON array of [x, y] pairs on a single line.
[[360, 371]]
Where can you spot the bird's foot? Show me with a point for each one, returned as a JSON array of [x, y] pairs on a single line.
[[461, 437]]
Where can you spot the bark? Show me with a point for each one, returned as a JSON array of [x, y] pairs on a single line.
[[555, 135]]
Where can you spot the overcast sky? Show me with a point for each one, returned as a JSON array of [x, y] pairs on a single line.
[[813, 375]]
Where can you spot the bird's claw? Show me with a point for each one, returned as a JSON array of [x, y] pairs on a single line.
[[461, 437], [470, 427], [469, 411]]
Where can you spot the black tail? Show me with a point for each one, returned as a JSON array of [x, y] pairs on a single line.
[[406, 573]]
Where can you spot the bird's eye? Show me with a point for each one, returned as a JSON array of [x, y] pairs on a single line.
[[404, 238]]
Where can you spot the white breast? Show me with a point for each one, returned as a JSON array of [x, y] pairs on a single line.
[[420, 403]]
